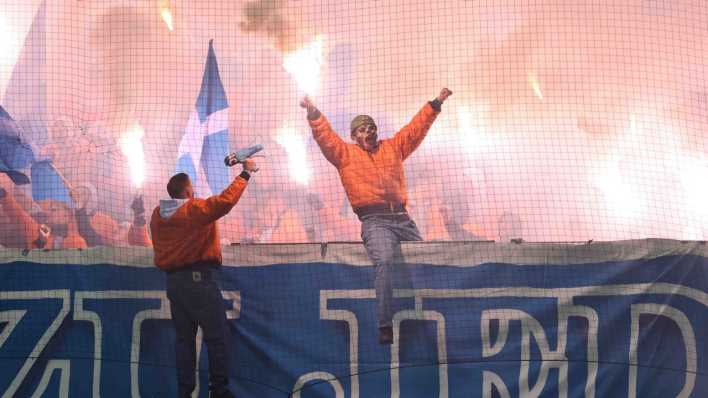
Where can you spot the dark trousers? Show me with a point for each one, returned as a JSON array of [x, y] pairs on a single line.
[[195, 300], [382, 236]]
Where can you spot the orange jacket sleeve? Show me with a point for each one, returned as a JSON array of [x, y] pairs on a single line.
[[332, 146], [25, 226], [409, 137], [138, 236], [206, 211]]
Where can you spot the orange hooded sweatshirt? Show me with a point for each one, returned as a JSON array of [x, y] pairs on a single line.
[[24, 230], [184, 230], [373, 178]]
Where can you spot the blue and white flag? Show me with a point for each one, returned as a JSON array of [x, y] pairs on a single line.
[[15, 154], [206, 139], [48, 183], [26, 93], [25, 98]]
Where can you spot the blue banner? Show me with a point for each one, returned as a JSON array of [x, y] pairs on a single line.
[[629, 328]]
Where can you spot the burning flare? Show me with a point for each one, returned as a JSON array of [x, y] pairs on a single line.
[[8, 44], [131, 145], [296, 148], [304, 65], [166, 14], [535, 85]]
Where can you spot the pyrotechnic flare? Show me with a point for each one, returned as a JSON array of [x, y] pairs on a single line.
[[269, 18], [693, 173], [9, 42], [296, 148], [304, 65], [131, 145], [166, 14], [535, 85]]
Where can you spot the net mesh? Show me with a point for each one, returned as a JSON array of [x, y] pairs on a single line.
[[569, 121]]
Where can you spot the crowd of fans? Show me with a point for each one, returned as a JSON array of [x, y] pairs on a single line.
[[53, 224]]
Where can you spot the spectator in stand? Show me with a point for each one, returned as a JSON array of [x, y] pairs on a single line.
[[100, 229], [19, 229], [371, 171]]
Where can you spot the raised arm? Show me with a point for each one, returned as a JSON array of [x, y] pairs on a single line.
[[410, 136], [332, 146], [213, 208], [30, 232]]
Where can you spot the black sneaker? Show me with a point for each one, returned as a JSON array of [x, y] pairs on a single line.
[[225, 394], [386, 335]]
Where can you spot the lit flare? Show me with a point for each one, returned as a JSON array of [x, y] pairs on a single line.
[[296, 148], [535, 85], [304, 65], [166, 14], [131, 145]]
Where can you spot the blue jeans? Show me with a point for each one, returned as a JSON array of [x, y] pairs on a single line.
[[195, 300], [382, 236]]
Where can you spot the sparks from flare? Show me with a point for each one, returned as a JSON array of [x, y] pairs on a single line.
[[692, 174], [296, 148], [474, 138], [166, 14], [535, 85], [304, 65], [9, 46], [131, 145], [622, 196]]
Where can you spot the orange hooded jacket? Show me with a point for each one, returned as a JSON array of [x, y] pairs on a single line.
[[377, 177], [188, 234], [23, 229]]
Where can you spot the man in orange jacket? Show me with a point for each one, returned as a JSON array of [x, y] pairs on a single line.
[[371, 171], [186, 245], [20, 229]]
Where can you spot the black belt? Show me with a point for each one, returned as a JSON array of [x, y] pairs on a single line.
[[201, 266], [383, 208]]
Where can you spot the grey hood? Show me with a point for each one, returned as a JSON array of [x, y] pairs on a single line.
[[168, 207]]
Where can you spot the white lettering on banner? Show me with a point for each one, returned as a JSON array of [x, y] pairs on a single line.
[[350, 318], [490, 379], [689, 341], [565, 311], [64, 296], [163, 312], [328, 377], [420, 315], [551, 357], [531, 327], [64, 368], [11, 318], [80, 314]]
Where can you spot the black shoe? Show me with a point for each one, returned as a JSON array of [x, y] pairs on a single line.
[[386, 335], [225, 394]]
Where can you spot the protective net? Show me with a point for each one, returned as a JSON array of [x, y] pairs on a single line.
[[569, 121]]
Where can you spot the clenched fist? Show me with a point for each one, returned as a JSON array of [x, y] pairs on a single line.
[[444, 93]]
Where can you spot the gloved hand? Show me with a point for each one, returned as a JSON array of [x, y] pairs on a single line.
[[43, 235], [138, 205], [312, 111]]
